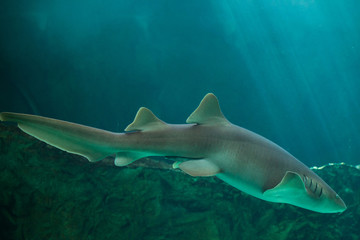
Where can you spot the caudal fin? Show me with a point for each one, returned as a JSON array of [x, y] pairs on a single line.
[[92, 143]]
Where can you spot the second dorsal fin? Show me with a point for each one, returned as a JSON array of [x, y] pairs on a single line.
[[145, 120], [208, 112]]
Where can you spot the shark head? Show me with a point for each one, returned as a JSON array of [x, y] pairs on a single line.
[[308, 192], [322, 196]]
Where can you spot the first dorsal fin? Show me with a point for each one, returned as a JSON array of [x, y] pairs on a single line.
[[145, 120], [208, 112]]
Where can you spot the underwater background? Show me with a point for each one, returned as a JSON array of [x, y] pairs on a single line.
[[286, 69]]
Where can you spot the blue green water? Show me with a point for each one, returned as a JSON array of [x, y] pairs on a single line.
[[288, 70]]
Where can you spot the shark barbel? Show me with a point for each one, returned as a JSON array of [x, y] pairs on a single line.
[[209, 145]]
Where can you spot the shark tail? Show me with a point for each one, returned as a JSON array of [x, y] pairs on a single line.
[[92, 143]]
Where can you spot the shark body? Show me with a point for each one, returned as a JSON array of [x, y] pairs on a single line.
[[208, 144]]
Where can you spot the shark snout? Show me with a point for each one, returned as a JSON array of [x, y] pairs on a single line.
[[340, 203], [334, 204]]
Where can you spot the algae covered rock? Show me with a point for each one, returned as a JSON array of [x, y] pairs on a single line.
[[50, 194]]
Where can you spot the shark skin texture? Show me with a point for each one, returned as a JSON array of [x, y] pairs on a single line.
[[208, 145]]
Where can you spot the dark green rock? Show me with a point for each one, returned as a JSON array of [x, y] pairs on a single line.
[[50, 194]]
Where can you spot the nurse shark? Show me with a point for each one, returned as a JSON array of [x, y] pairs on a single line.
[[208, 145]]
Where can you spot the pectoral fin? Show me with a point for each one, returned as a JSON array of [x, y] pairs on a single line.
[[195, 168], [290, 187]]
